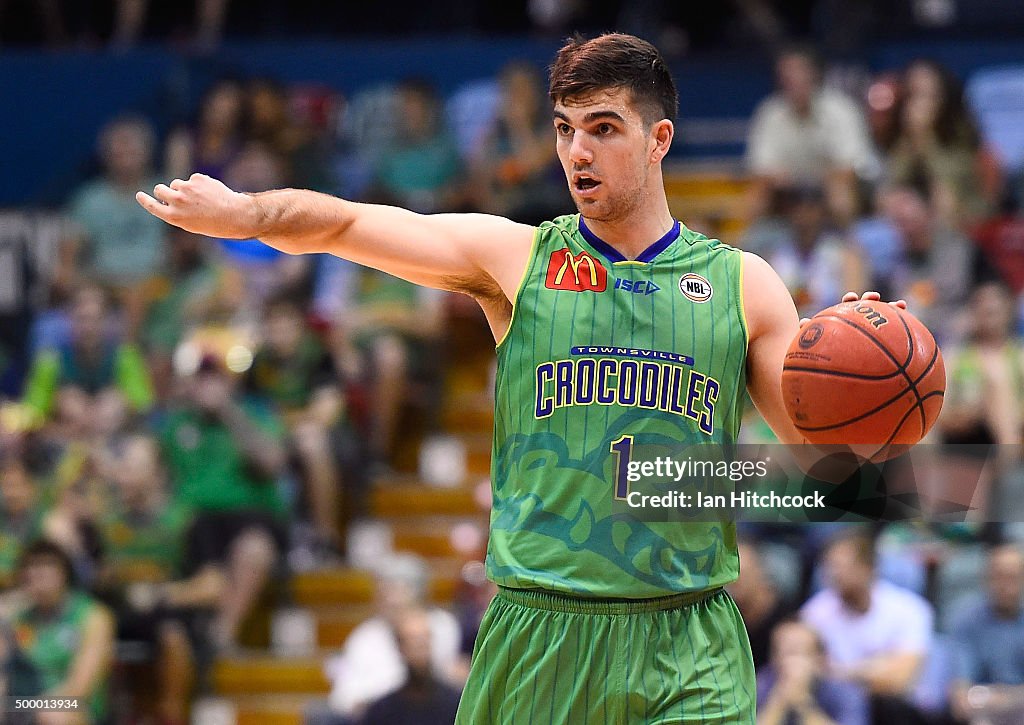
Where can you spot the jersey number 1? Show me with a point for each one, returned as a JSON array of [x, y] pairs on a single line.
[[623, 450]]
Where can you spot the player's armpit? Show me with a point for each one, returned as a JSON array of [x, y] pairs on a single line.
[[772, 324]]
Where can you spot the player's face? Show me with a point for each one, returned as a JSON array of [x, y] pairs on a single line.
[[607, 153]]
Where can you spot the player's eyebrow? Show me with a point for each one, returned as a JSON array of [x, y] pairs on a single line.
[[593, 116]]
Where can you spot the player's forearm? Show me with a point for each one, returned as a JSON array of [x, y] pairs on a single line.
[[298, 221]]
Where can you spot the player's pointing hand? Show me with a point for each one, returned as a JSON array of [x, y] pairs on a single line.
[[867, 296], [203, 205]]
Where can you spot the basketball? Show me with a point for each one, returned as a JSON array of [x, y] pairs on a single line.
[[864, 374]]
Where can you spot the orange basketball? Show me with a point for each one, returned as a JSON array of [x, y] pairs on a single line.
[[864, 374]]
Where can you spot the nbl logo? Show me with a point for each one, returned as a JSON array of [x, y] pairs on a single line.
[[695, 288]]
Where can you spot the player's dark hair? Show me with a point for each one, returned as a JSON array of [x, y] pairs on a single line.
[[611, 61]]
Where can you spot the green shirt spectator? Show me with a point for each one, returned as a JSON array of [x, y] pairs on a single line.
[[50, 644], [119, 366], [143, 546], [209, 470], [63, 634]]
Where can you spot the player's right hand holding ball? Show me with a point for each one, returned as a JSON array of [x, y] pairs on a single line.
[[864, 374]]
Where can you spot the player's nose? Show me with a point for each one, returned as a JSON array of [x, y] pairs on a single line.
[[580, 152]]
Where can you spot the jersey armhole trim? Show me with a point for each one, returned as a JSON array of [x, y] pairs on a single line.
[[519, 288], [743, 308]]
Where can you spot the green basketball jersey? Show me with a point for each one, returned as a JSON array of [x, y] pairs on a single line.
[[605, 357], [50, 645]]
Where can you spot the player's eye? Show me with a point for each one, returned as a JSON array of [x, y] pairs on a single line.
[[563, 129], [605, 128]]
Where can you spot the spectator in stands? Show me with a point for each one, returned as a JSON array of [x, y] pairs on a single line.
[[130, 22], [264, 270], [937, 140], [983, 402], [370, 664], [92, 381], [516, 174], [421, 168], [396, 326], [814, 261], [315, 111], [216, 139], [759, 602], [472, 598], [225, 453], [142, 540], [989, 638], [111, 243], [268, 123], [876, 634], [807, 133], [422, 699], [296, 373], [193, 288], [795, 689], [1000, 241], [21, 513], [933, 270], [64, 635], [26, 247]]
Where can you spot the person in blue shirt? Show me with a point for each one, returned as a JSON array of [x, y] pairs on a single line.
[[794, 689], [989, 645]]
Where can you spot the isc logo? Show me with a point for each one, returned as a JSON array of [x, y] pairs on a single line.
[[639, 286], [695, 288]]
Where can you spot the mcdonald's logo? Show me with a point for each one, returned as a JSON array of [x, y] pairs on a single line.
[[575, 273]]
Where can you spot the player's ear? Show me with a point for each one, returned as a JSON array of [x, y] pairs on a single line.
[[662, 133]]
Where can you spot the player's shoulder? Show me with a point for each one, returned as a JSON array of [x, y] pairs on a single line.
[[565, 224], [699, 241]]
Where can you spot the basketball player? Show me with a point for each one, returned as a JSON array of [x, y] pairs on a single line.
[[614, 326]]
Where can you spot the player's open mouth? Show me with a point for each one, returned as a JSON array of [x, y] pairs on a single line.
[[585, 184]]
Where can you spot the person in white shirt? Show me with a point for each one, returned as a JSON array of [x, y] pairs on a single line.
[[875, 633], [807, 133], [370, 664]]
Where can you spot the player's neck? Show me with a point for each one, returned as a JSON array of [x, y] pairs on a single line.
[[634, 233]]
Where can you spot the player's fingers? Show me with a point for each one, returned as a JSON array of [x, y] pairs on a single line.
[[902, 304], [165, 193], [851, 297], [154, 207], [871, 296], [804, 321], [177, 184]]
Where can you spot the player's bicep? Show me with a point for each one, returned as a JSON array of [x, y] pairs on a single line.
[[458, 252], [772, 323]]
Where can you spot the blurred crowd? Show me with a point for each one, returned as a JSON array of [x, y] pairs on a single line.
[[187, 421], [894, 187]]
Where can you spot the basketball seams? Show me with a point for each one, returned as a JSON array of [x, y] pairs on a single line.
[[840, 373], [910, 413], [912, 385], [920, 401]]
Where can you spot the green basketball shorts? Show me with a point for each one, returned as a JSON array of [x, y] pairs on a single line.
[[545, 659]]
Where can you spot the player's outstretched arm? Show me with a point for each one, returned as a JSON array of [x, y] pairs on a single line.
[[772, 323], [473, 253]]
